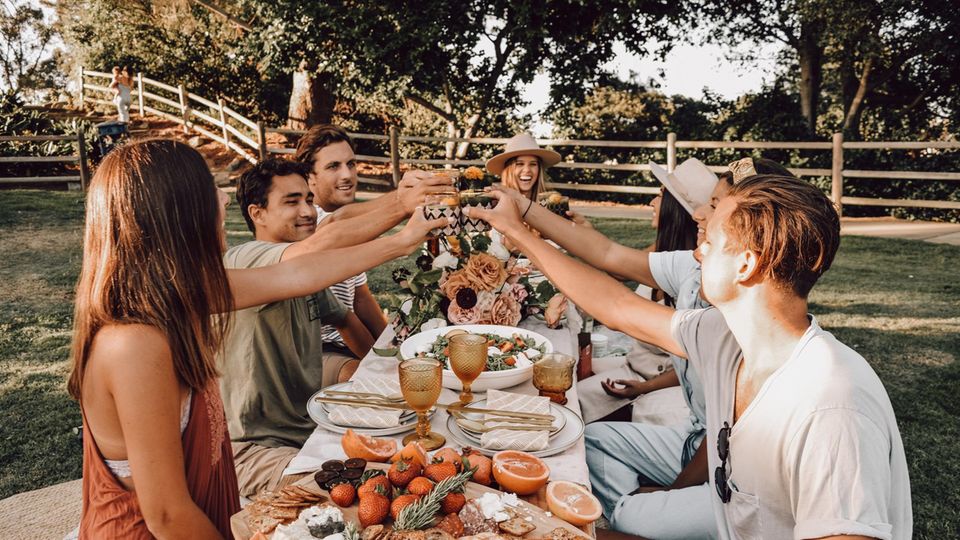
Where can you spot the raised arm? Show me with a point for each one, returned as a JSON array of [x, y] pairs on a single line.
[[318, 270], [409, 194], [372, 218], [600, 295], [585, 242]]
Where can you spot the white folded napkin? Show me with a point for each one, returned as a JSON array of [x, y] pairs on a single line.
[[368, 417], [509, 439]]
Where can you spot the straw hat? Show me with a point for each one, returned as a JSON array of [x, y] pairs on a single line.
[[522, 144], [691, 182]]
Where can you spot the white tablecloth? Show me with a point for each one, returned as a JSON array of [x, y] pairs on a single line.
[[569, 465]]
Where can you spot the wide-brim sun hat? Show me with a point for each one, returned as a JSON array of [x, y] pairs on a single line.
[[522, 144], [691, 182]]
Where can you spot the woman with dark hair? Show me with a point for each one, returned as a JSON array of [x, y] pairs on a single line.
[[157, 459]]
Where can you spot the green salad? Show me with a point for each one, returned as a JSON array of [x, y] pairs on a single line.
[[513, 352]]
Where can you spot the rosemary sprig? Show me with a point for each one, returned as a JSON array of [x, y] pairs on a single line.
[[420, 514], [351, 531]]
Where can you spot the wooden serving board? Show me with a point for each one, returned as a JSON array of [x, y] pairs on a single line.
[[528, 507]]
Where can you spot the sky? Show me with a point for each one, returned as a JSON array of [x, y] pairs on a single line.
[[687, 70]]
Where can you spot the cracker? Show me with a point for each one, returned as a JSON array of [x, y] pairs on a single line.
[[516, 526]]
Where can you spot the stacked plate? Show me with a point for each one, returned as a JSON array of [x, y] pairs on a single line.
[[566, 431], [320, 413]]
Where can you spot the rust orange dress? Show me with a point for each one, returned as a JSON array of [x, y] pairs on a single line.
[[111, 511]]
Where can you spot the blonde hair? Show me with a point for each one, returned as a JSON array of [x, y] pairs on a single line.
[[510, 179], [152, 255]]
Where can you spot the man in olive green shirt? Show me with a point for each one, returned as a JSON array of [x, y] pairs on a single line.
[[273, 354]]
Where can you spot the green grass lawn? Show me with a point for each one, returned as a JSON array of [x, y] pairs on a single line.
[[897, 302]]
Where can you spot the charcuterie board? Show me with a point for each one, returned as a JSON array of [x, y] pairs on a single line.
[[544, 523]]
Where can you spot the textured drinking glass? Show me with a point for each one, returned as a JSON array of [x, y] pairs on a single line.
[[443, 205], [468, 358], [553, 376], [420, 380]]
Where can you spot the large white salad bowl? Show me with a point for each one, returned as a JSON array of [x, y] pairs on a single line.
[[488, 379]]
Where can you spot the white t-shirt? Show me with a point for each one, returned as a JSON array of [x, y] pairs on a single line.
[[345, 291], [816, 453]]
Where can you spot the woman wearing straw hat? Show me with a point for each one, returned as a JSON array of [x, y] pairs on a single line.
[[522, 163]]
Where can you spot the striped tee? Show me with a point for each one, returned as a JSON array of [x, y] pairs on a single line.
[[345, 291]]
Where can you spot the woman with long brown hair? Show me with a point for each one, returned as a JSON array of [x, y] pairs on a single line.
[[157, 456], [522, 165]]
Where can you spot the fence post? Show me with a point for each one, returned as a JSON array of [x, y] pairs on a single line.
[[81, 88], [395, 154], [140, 93], [262, 140], [836, 185], [184, 108], [82, 152], [223, 123], [671, 151]]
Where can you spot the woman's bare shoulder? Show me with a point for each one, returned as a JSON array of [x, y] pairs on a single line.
[[131, 347]]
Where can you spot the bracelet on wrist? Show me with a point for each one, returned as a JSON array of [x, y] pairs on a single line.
[[524, 214]]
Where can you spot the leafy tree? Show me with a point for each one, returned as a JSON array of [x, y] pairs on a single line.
[[26, 62], [463, 62]]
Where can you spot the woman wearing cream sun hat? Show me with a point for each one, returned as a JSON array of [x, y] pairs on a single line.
[[522, 163]]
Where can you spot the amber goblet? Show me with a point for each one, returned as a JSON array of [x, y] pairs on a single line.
[[420, 382], [468, 359], [553, 376]]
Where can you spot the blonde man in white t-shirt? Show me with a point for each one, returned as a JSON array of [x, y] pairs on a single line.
[[801, 436]]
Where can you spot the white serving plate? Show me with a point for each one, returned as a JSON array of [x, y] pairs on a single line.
[[489, 379]]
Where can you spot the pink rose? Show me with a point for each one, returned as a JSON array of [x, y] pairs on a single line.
[[519, 293], [478, 314], [505, 310]]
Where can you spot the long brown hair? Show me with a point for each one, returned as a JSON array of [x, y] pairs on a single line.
[[510, 178], [152, 255]]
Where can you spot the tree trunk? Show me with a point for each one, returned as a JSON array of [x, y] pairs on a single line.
[[851, 123], [811, 65], [311, 100]]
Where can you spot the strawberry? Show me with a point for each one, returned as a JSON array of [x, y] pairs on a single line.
[[440, 471], [403, 471], [400, 503], [343, 494], [373, 483], [420, 485], [373, 509], [483, 465], [452, 503], [447, 454]]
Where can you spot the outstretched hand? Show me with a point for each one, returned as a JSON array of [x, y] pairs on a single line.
[[504, 217], [630, 390], [415, 185], [418, 227]]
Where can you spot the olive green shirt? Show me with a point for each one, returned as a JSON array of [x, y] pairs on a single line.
[[273, 358]]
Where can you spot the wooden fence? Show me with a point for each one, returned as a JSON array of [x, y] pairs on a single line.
[[246, 137], [80, 158]]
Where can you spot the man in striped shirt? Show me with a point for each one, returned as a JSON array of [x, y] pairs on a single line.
[[329, 151]]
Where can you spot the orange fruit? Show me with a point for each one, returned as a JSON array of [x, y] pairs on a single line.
[[358, 445], [519, 472], [413, 452], [573, 503]]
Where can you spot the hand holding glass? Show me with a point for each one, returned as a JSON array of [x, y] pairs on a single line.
[[420, 383]]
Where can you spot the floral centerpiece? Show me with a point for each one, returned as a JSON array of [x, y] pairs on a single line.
[[476, 280]]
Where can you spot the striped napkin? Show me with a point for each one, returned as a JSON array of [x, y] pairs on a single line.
[[368, 417], [507, 439]]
